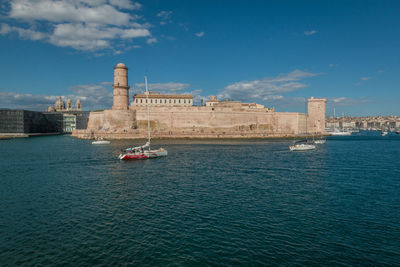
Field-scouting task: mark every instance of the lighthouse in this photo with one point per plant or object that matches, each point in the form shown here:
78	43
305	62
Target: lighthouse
121	87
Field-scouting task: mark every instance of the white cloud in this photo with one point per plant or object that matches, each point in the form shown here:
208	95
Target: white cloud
23	33
345	101
67	11
165	17
89	25
308	33
266	88
365	78
332	65
200	34
126	4
92	96
151	40
168	88
164	14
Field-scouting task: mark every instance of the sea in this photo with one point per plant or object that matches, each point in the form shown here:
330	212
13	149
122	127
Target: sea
64	201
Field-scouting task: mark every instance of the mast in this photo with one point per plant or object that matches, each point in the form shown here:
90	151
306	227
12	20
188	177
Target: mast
334	117
148	110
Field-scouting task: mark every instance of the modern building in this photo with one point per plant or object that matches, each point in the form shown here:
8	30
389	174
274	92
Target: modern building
29	122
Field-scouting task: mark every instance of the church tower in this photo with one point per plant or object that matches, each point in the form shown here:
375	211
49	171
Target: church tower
121	88
316	115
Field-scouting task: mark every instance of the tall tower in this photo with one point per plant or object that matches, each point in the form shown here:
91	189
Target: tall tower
316	115
121	88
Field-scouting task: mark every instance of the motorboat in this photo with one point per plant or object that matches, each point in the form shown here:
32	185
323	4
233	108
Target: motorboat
384	133
143	152
320	141
100	141
301	146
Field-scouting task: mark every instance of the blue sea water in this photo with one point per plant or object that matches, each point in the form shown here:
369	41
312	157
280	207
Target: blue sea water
64	201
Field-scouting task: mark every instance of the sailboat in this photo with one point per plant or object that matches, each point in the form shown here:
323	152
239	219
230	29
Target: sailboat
302	144
337	132
144	151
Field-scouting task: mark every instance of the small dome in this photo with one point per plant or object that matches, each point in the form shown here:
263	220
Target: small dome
121	65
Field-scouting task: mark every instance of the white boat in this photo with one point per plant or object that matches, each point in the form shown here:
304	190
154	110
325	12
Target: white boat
301	146
320	141
384	133
144	152
100	141
341	133
338	132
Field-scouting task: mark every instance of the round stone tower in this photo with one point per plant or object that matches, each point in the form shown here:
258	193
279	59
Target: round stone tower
121	88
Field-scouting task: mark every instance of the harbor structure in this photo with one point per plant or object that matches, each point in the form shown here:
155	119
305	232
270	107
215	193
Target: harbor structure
160	100
216	119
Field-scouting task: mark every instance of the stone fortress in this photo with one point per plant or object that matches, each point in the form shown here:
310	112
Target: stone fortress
175	116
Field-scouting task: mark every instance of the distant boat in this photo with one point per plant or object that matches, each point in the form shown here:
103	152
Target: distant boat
320	141
384	133
337	132
340	133
301	146
100	141
140	152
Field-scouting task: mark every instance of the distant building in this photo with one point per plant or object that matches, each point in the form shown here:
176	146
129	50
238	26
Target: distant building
60	106
157	99
29	122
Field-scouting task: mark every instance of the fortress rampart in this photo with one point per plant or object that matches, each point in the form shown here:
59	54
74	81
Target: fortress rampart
226	119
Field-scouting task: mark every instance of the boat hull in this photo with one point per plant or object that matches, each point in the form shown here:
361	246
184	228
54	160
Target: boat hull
301	147
102	142
148	154
341	133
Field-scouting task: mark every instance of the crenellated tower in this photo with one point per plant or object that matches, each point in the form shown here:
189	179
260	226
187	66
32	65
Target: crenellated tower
316	115
121	87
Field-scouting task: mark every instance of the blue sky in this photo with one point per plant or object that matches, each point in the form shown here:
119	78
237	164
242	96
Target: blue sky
272	52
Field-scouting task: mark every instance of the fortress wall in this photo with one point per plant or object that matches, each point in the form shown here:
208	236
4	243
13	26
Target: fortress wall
290	122
112	120
221	118
96	119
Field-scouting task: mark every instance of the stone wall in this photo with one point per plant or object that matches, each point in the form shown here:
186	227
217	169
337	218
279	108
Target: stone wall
117	121
194	122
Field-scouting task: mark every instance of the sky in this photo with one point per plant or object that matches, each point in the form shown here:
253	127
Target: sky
276	53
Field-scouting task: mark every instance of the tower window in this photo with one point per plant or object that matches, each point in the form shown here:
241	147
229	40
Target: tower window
155	101
174	101
170	101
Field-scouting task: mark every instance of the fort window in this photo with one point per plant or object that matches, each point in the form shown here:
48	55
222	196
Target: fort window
184	101
155	101
174	101
170	101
